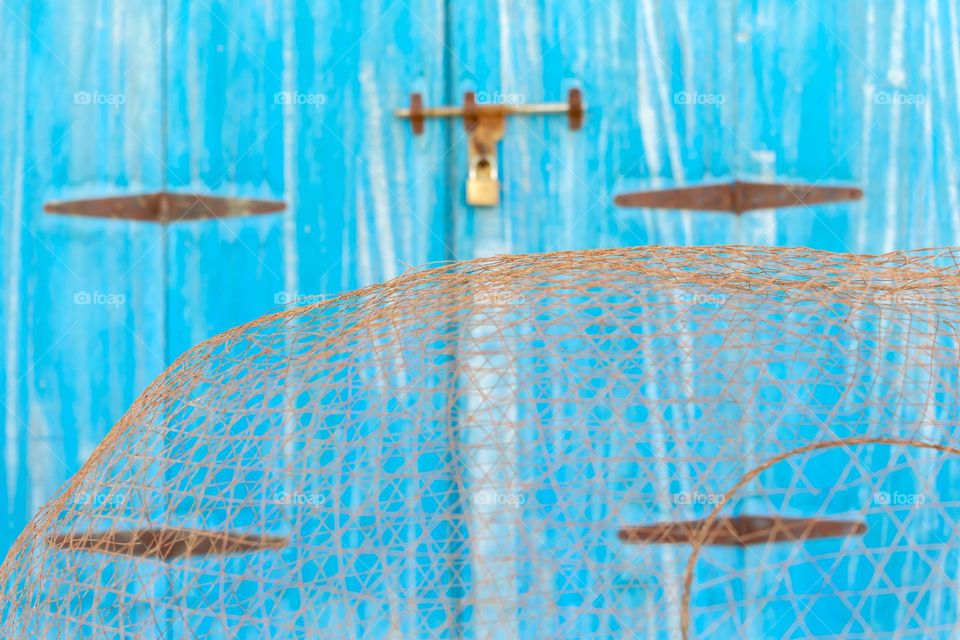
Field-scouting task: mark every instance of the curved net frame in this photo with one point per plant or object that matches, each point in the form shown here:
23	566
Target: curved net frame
657	442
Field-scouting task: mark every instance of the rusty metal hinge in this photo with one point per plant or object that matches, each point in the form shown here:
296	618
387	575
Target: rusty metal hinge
166	543
738	197
741	531
165	206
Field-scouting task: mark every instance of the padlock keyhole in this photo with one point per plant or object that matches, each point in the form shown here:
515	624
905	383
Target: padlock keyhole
484	169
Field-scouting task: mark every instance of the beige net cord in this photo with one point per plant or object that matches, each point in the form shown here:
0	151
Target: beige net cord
555	445
701	532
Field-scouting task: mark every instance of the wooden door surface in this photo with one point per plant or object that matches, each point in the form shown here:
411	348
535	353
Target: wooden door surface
82	308
277	100
684	94
294	101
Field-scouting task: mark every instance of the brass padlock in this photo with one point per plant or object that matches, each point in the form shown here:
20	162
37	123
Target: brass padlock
486	130
483	187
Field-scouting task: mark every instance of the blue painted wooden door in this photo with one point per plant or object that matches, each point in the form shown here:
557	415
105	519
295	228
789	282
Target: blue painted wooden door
687	93
291	100
82	308
294	99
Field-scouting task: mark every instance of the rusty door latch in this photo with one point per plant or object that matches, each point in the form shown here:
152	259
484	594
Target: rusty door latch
486	124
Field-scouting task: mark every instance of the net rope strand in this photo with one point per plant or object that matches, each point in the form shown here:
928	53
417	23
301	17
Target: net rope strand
699	536
535	446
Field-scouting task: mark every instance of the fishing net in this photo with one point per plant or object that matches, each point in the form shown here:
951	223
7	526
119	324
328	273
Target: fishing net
655	442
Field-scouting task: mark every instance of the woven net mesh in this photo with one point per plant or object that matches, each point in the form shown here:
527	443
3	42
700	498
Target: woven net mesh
660	443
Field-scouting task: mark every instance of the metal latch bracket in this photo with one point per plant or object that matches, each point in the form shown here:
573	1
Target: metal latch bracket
486	124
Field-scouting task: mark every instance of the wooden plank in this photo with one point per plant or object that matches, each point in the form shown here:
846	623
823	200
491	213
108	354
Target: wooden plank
654	76
370	196
14	40
858	92
225	137
82	302
861	92
295	100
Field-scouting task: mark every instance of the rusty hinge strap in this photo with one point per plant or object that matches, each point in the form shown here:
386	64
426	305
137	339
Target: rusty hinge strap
165	206
741	531
166	543
738	196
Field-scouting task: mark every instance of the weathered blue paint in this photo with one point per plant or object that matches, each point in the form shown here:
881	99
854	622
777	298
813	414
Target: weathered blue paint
294	99
225	136
83	332
685	93
370	198
863	92
283	99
